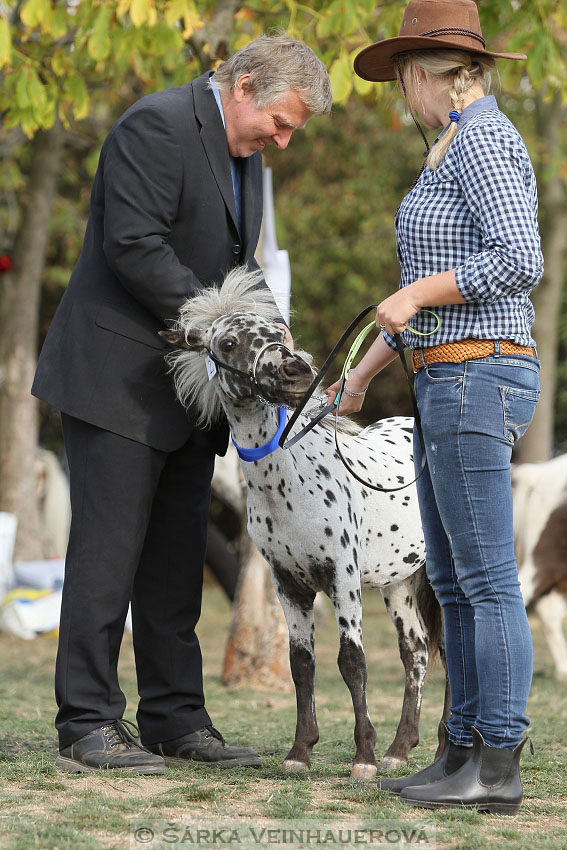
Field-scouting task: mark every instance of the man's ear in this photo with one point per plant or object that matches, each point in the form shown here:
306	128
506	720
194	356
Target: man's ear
193	341
242	87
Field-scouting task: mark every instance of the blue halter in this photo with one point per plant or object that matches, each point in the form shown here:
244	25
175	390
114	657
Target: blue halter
269	447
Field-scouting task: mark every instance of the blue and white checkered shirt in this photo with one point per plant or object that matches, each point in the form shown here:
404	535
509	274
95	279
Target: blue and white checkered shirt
477	213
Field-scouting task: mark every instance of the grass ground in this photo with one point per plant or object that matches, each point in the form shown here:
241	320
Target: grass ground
42	808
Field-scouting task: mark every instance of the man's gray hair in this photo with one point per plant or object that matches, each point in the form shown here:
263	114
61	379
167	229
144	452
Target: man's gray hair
276	64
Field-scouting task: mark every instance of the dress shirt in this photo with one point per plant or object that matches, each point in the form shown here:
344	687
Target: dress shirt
476	213
235	167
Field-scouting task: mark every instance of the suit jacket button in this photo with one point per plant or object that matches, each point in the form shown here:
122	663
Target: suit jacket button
236	249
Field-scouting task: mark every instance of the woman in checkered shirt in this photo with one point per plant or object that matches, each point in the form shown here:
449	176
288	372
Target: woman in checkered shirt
469	249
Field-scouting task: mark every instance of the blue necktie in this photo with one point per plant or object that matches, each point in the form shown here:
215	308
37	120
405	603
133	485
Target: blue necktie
236	171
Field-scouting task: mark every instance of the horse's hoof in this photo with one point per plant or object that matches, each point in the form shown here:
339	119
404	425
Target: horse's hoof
391	763
293	766
363	772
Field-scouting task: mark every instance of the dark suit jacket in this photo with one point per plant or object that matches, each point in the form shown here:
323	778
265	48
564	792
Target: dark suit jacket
162	226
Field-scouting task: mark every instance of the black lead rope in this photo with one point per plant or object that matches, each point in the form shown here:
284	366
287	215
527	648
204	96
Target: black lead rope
330	407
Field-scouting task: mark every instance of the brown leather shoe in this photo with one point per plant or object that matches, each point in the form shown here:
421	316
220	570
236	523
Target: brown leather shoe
110	747
205	745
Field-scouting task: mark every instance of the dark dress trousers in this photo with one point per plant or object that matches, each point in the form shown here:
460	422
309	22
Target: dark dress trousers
162	226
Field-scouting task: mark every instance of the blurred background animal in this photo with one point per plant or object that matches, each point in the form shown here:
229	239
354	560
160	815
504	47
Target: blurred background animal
540	535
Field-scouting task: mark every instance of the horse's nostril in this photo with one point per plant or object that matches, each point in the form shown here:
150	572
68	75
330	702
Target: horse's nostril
291	369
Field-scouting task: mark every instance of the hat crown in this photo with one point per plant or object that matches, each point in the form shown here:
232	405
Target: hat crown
447	20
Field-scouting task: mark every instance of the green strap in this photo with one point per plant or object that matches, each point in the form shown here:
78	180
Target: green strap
355	347
428	333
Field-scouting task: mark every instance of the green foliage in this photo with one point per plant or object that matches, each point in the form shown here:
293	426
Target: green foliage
337	186
52	54
538	30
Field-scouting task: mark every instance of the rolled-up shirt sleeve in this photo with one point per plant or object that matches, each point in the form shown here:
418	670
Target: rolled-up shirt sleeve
498	184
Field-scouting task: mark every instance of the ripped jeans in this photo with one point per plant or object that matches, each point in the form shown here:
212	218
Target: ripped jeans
472	415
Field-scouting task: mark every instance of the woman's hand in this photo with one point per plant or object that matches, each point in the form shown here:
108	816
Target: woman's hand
393	314
348	404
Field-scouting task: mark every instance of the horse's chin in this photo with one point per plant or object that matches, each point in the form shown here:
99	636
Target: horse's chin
288	396
293	397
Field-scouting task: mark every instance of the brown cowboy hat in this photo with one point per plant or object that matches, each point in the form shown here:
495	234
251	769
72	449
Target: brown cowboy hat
427	24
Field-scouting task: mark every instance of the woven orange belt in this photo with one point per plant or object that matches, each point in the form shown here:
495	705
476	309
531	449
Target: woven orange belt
465	349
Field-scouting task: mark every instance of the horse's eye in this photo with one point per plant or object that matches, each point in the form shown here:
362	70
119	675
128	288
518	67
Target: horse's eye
227	345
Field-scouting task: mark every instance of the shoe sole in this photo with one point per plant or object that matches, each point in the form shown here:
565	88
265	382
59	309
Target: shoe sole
72	766
490	808
250	761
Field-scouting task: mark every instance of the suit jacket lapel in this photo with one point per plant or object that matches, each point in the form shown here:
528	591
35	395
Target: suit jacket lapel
213	137
251	197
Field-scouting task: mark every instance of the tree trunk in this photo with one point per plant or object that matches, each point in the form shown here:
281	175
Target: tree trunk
19	310
538	443
257	649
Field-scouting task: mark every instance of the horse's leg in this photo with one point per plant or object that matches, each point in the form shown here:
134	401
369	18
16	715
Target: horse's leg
352	664
416	616
301	625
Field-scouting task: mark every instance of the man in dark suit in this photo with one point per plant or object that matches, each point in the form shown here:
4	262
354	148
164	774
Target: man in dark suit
176	202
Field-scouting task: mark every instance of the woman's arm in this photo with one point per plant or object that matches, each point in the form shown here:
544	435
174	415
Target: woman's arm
378	356
395	312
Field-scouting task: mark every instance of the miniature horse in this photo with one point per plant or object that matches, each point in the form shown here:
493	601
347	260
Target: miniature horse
317	528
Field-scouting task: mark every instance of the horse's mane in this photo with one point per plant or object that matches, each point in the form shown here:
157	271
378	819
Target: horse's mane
240	293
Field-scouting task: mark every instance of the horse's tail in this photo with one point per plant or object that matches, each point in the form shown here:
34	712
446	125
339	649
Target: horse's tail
430	611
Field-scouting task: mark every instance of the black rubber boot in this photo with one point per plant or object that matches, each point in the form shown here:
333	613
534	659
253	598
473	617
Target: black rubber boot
453	756
489	782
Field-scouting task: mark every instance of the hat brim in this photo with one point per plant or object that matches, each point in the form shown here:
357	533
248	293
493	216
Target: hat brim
376	62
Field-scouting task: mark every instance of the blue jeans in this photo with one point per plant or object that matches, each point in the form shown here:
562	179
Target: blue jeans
472	415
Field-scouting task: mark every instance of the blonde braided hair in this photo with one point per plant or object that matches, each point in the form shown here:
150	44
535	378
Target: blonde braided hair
461	70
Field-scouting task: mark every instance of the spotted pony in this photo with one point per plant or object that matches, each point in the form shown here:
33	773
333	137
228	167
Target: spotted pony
317	527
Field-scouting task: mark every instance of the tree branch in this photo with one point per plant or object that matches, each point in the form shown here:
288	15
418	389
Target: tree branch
212	41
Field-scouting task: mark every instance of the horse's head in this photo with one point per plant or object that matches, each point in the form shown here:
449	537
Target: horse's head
244	343
250	358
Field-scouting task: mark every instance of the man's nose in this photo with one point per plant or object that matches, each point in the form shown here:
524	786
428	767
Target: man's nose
282	137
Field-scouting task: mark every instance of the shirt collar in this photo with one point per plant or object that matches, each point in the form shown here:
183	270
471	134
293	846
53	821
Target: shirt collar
216	93
482	104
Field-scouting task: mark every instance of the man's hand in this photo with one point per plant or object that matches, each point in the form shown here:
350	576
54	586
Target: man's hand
288	339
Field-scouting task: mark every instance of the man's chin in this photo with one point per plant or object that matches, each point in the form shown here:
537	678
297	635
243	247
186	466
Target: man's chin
249	149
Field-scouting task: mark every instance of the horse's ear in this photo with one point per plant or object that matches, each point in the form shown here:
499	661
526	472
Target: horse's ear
193	341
